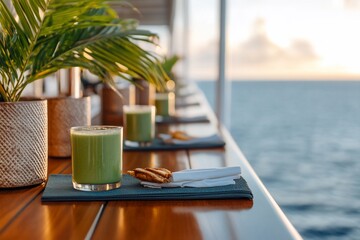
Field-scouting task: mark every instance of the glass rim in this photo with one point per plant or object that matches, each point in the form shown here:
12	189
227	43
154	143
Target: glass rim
162	96
138	107
94	128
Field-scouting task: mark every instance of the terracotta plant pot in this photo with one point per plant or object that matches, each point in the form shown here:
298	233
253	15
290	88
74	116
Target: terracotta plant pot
145	92
112	104
24	142
64	113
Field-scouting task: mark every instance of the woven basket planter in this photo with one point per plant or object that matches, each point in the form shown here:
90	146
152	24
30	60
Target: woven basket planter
23	146
112	104
63	114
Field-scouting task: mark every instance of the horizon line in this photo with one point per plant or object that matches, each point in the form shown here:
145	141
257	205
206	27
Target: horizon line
279	80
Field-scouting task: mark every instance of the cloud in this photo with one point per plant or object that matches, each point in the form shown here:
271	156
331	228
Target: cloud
260	57
257	57
260	51
348	4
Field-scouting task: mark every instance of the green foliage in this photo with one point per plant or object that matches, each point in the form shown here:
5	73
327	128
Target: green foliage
168	64
48	35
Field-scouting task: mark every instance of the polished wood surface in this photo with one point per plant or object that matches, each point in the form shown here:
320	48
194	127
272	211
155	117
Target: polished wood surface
24	216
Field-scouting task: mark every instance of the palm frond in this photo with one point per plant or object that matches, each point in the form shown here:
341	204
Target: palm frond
48	35
169	63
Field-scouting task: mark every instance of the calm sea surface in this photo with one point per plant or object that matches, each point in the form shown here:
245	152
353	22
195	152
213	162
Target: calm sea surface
303	140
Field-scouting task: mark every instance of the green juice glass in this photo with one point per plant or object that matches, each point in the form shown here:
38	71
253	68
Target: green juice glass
96	157
139	123
165	104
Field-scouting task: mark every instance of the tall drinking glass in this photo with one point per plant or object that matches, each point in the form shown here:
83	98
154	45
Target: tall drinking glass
165	104
139	123
96	157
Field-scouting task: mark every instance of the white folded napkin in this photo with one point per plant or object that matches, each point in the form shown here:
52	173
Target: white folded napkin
208	177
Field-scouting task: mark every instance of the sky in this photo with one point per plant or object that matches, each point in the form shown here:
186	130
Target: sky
277	39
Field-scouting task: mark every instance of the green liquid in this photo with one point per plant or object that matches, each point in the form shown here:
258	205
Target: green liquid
96	156
162	107
140	126
165	104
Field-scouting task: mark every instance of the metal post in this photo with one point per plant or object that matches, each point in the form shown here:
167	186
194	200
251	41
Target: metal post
171	28
63	82
75	82
186	39
38	87
222	90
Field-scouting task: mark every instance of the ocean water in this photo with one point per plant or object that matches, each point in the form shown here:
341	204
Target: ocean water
303	140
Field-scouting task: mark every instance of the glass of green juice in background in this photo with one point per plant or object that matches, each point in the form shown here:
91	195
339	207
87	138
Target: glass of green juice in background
165	104
96	157
139	123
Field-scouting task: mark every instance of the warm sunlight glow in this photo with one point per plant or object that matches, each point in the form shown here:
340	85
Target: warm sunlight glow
122	67
280	39
87	53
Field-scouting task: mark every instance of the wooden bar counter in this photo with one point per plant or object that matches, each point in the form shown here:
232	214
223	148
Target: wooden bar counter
24	216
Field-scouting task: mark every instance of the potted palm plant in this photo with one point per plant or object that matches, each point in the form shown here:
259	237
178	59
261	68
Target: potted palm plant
39	37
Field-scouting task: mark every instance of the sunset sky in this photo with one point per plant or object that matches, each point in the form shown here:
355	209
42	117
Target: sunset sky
278	39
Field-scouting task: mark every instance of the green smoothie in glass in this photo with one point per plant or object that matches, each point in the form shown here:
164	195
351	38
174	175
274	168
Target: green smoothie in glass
165	104
139	123
96	157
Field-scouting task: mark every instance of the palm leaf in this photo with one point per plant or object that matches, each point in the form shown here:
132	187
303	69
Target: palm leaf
169	63
48	35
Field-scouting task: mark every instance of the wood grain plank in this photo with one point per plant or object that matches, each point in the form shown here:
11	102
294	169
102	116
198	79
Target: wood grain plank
57	165
172	160
12	201
70	220
145	220
56	220
164	219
